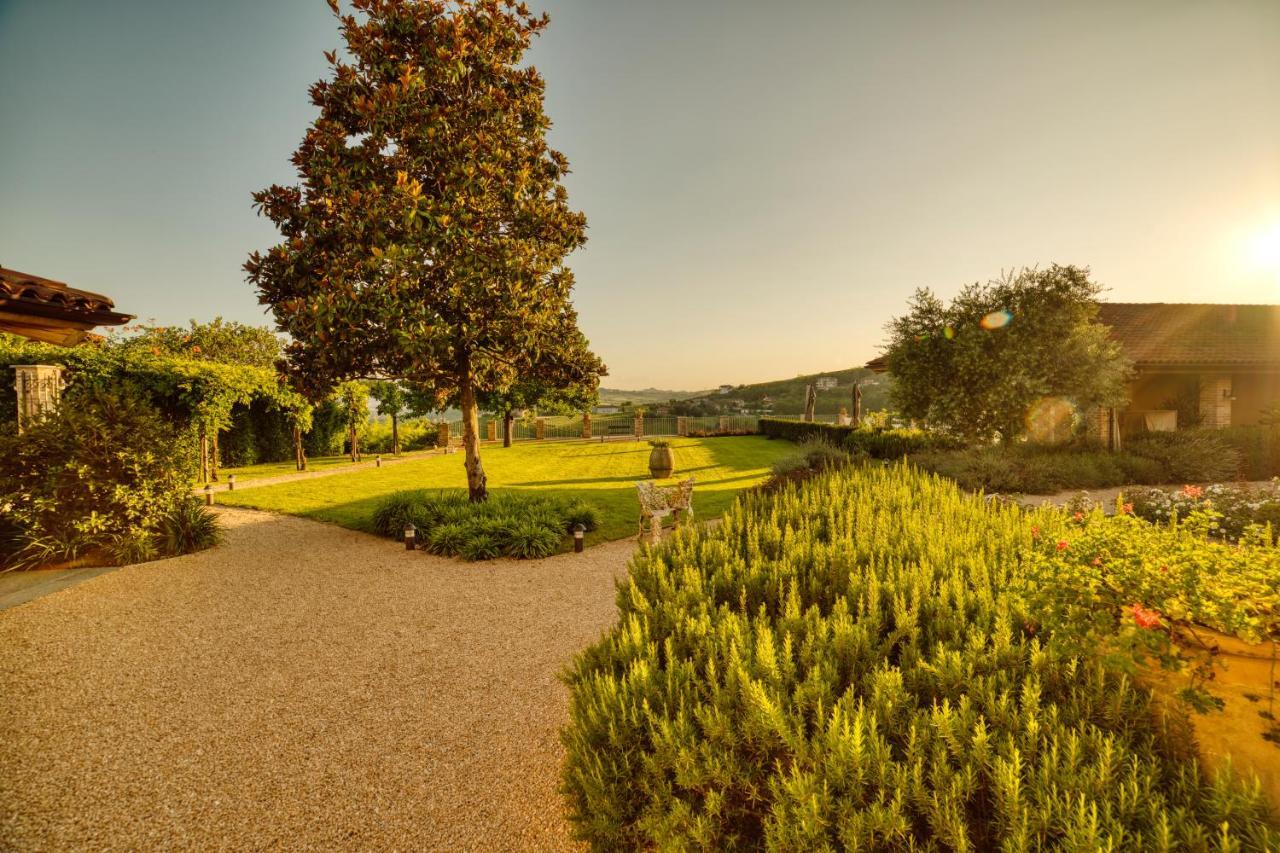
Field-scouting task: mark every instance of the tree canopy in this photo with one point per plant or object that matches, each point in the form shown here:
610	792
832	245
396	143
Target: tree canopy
221	340
982	365
426	237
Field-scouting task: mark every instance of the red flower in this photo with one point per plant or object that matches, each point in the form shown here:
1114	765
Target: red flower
1097	561
1062	545
1079	516
196	348
1164	570
1144	618
1035	531
1126	509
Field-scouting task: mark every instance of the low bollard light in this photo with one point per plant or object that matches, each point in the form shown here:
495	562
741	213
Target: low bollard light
578	530
377	462
410	537
208	494
231	482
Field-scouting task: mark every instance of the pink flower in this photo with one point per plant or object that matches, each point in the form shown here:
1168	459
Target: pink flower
1062	545
1144	618
1192	491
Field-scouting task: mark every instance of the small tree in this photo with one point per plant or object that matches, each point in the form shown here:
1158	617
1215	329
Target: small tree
353	398
391	400
427	235
977	366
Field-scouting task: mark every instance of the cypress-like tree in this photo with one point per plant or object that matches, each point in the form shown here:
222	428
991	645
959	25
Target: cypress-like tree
426	237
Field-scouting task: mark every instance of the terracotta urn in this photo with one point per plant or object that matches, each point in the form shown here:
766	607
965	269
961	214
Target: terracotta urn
662	461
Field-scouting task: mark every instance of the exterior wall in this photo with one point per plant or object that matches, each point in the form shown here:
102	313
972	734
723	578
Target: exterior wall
39	387
1254	392
1215	401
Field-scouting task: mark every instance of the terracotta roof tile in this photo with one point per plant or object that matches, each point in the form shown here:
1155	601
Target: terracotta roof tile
1182	334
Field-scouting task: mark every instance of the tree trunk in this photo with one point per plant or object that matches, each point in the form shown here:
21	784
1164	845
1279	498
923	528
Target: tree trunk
213	458
204	456
471	439
395	434
507	417
810	403
299	456
355	445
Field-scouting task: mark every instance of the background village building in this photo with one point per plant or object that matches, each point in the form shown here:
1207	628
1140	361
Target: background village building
825	383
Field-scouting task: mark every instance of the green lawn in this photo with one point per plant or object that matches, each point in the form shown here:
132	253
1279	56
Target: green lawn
604	474
248	473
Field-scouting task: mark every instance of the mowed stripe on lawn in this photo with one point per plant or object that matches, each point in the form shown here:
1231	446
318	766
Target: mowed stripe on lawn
602	473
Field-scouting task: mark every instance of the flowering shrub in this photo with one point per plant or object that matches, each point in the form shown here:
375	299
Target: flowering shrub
852	663
1102	576
1237	507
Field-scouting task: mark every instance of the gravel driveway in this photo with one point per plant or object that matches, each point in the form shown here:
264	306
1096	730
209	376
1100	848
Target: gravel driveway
301	686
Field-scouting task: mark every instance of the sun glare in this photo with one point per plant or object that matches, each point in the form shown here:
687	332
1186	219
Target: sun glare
1264	249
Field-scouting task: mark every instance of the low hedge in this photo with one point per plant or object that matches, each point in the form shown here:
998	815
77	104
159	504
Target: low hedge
875	443
446	522
847	665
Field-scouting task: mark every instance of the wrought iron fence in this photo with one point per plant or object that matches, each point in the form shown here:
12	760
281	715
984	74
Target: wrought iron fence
606	427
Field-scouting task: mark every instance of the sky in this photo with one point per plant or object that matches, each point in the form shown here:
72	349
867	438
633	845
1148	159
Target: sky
765	183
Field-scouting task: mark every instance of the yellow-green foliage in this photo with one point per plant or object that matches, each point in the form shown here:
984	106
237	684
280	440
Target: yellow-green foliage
849	664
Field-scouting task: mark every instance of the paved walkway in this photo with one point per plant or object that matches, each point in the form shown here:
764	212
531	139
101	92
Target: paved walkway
300	686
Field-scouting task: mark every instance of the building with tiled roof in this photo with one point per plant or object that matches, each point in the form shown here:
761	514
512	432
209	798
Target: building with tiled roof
1194	365
50	311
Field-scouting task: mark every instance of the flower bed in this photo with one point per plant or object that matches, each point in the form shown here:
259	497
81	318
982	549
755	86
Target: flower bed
1237	507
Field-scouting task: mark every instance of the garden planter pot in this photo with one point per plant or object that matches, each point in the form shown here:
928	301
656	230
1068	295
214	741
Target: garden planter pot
662	463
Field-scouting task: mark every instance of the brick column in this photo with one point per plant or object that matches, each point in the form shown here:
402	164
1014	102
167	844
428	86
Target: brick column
39	388
1215	401
493	430
639	427
724	423
442	434
540	429
682	426
586	425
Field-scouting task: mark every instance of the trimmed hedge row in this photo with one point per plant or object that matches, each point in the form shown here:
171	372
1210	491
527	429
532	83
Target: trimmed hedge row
847	665
876	443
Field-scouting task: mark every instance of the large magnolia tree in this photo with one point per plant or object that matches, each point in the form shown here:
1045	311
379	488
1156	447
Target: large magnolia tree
981	366
427	235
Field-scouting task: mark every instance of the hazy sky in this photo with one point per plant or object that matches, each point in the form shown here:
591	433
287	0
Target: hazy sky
765	182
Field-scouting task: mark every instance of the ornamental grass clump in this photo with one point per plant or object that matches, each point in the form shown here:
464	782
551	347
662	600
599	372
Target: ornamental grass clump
523	526
849	663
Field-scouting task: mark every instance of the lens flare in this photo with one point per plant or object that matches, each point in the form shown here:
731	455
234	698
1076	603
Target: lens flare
996	320
1051	419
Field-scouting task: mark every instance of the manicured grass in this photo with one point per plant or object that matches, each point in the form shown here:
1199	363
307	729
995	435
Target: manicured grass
603	474
248	473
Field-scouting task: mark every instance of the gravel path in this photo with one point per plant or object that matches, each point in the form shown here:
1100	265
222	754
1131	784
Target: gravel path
301	686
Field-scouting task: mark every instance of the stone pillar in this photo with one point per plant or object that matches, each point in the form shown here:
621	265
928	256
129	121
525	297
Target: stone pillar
39	388
493	430
540	429
586	425
1215	401
682	426
724	423
639	428
442	435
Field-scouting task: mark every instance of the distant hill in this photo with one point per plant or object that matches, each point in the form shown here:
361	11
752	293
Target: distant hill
646	396
787	395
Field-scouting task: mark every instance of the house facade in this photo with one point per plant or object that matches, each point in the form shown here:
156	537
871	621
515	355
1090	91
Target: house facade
1201	365
1195	365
